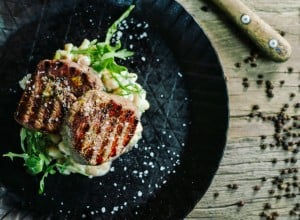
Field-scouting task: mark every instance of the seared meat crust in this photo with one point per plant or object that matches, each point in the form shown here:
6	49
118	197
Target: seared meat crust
100	126
51	91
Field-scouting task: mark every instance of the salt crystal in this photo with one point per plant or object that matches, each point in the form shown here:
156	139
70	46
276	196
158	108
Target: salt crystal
140	193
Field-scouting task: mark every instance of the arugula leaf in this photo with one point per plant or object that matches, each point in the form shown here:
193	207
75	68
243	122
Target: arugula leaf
50	170
13	155
36	161
103	54
34	144
114	27
23	136
34	164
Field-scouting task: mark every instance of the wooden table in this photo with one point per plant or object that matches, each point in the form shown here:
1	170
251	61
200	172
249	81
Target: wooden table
245	160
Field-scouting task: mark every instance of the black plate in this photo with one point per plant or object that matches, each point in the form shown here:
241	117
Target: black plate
184	130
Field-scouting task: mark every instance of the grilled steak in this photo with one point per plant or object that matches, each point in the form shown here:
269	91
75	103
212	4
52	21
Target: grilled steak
100	127
49	94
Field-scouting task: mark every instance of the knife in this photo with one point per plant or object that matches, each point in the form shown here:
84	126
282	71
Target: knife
261	33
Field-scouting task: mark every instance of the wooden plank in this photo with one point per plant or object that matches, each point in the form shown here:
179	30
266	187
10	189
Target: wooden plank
244	162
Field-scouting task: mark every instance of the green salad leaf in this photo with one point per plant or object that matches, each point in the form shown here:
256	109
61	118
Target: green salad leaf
34	144
37	160
103	54
114	27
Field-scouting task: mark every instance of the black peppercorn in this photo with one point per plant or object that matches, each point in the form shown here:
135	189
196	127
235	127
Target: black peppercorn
238	65
267	206
241	203
256	188
290	69
204	8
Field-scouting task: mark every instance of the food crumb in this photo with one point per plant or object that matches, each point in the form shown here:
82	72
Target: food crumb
140	193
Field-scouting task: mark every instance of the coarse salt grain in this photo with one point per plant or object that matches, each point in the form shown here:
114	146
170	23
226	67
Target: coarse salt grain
140	193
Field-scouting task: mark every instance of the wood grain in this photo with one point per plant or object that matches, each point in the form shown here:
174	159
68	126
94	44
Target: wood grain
256	29
244	162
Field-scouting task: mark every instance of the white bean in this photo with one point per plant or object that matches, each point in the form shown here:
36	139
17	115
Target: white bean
84	60
85	44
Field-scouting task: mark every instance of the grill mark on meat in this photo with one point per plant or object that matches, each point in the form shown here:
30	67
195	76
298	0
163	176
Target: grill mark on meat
98	128
130	130
77	122
59	64
126	121
46	65
109	138
94	134
28	103
119	129
117	133
52	82
109	135
48	108
112	122
38	118
55	116
113	139
105	130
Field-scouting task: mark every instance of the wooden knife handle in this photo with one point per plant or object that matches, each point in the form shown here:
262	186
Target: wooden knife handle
262	34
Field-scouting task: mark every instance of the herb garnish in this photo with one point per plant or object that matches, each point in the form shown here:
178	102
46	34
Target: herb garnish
34	144
102	54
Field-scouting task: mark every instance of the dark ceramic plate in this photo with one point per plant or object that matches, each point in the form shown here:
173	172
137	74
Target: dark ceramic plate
184	130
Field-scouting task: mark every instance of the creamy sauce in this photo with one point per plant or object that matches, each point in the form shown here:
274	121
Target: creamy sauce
62	152
109	79
60	149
